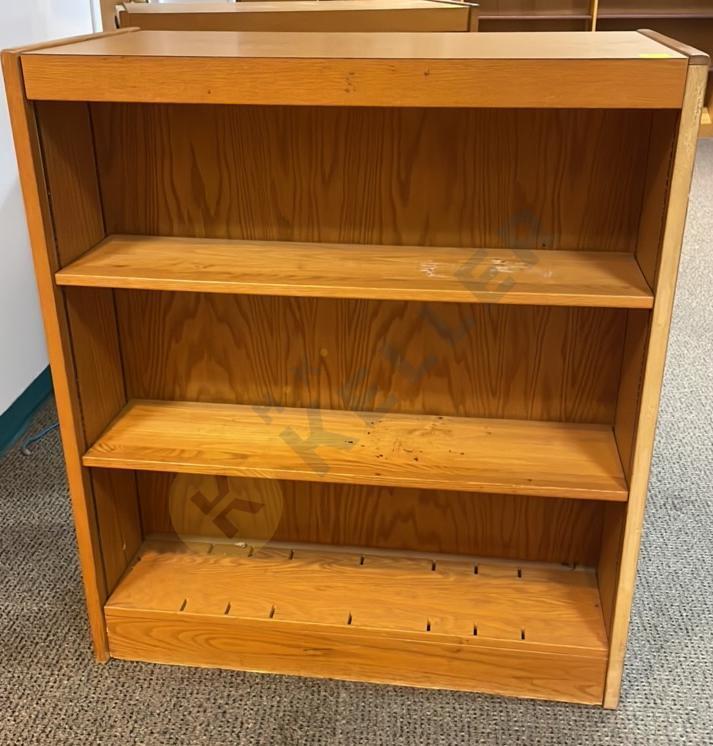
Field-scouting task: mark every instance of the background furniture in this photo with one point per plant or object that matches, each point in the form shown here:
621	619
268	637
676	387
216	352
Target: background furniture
535	15
303	15
690	21
336	400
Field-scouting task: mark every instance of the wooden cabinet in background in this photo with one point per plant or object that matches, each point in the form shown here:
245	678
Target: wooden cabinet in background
303	15
357	341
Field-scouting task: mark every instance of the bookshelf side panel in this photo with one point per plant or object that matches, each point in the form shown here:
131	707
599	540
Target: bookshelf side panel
77	215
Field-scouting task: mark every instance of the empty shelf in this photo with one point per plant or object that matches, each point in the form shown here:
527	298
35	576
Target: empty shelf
452	453
559	278
535	15
654	14
441	613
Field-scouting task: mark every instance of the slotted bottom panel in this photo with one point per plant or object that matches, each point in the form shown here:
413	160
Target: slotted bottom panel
508	628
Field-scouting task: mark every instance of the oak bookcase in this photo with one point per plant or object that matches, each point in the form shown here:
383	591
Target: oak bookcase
357	341
302	15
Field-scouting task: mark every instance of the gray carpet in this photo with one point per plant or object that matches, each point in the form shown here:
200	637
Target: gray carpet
51	692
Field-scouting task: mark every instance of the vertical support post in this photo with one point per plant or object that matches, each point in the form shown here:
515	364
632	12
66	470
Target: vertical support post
473	17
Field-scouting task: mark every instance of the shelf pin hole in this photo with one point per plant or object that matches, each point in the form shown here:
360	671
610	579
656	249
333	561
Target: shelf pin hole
519	572
272	612
522	634
227	609
349	618
433	565
361	560
428	625
475	630
184	604
292	554
475	569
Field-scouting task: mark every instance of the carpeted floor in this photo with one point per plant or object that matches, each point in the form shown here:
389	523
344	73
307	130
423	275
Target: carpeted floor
51	691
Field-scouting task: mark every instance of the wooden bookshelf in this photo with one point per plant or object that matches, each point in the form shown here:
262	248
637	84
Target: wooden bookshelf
302	15
336	401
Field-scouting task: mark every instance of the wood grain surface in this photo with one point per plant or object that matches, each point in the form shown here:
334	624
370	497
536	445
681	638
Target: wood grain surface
518	362
375	176
502	456
501	526
624	70
553	606
627	46
315	651
512	276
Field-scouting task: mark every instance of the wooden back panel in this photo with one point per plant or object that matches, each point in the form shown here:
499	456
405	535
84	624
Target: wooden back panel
522	362
482	178
505	526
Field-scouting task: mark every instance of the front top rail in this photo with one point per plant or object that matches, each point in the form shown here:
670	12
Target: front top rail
512	70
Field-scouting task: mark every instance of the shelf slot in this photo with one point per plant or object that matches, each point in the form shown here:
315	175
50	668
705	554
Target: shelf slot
452	453
418	273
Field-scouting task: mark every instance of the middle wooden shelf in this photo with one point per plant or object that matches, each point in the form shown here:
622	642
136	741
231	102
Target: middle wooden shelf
501	456
329	270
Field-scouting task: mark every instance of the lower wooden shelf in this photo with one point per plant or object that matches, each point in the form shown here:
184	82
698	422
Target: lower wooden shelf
493	626
523	457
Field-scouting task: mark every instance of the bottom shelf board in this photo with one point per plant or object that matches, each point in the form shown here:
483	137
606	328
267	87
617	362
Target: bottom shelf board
454	623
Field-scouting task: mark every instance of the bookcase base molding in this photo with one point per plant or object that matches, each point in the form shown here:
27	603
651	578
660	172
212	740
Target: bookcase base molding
360	380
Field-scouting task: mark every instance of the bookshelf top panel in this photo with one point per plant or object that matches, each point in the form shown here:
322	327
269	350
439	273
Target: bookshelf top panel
611	45
611	70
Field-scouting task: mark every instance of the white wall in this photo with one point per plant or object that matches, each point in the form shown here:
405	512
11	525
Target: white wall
22	345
